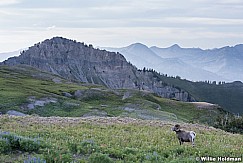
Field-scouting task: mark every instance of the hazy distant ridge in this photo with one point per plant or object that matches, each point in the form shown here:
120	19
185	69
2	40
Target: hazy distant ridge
219	64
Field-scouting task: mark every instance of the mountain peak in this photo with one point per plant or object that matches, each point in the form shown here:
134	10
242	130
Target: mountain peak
175	46
137	45
58	40
78	62
239	47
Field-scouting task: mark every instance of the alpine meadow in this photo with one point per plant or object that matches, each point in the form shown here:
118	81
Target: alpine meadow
65	101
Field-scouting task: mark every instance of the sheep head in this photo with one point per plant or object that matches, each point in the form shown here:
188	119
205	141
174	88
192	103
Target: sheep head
176	128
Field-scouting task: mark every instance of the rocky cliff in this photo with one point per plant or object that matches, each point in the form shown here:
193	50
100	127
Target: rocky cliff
77	61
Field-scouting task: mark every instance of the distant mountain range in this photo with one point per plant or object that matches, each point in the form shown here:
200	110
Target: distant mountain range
79	62
3	56
219	64
195	64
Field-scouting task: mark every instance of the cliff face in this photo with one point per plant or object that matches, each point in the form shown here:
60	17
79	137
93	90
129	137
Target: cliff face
77	61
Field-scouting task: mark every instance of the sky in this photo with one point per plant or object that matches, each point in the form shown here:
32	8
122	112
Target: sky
117	23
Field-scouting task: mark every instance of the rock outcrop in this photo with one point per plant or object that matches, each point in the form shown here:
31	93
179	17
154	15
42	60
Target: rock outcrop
77	61
15	113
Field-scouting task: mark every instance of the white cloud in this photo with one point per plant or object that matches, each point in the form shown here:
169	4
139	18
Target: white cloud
205	21
8	2
121	22
51	27
237	2
122	36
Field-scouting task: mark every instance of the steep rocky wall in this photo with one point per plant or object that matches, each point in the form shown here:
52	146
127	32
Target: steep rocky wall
77	61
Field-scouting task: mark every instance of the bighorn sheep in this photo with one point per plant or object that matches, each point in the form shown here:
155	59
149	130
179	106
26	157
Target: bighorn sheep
184	136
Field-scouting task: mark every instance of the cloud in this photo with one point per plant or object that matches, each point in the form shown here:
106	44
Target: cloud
205	21
8	2
233	2
122	36
51	27
120	22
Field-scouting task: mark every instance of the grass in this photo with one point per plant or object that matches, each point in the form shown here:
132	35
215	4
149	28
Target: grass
19	84
228	95
117	140
187	111
134	129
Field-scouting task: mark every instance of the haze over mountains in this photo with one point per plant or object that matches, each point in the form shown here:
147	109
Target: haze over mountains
219	64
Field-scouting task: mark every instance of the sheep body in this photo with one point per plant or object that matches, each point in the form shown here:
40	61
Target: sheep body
184	136
193	135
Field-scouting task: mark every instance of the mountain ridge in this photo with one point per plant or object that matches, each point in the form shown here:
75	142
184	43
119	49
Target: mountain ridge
78	61
218	64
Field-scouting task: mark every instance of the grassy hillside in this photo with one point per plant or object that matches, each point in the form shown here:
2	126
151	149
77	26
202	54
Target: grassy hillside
97	124
31	91
228	95
104	140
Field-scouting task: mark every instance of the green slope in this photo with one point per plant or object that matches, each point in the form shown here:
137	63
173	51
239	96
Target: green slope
22	86
105	140
228	95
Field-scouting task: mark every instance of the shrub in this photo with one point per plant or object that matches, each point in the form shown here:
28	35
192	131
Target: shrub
87	147
115	153
231	124
34	160
16	142
55	155
4	145
99	158
13	139
153	157
73	147
128	150
178	151
29	145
